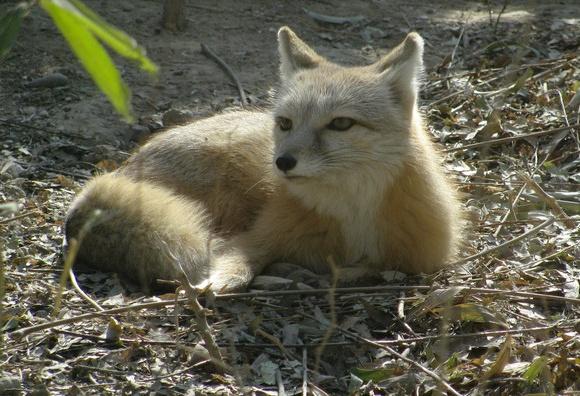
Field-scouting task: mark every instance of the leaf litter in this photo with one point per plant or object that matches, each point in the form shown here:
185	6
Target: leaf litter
520	337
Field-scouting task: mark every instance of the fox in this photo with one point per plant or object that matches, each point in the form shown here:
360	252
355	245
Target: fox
339	171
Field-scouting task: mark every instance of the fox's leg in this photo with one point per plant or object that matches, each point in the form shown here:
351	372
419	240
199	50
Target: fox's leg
234	263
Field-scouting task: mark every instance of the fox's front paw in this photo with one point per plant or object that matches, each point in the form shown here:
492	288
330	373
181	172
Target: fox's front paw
220	283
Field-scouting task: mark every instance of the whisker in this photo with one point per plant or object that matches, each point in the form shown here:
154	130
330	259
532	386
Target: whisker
255	184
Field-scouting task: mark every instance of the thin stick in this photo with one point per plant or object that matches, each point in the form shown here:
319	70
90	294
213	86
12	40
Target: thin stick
512	86
494	70
346	290
182	371
446	97
407	341
507	243
533	78
84	296
332	303
21	216
390	350
549	200
452	57
46	130
551	256
64	172
510	139
304	372
71	254
49	325
424	369
558	138
505	3
401	306
202	323
213	56
509	210
280	383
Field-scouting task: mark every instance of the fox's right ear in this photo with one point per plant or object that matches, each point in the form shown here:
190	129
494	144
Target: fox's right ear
402	68
295	54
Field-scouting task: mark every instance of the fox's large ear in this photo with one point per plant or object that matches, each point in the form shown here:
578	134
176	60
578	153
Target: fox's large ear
402	68
295	54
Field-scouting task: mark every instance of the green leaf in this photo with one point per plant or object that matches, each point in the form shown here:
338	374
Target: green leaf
469	312
83	29
453	361
9	26
118	40
521	81
535	369
91	53
376	375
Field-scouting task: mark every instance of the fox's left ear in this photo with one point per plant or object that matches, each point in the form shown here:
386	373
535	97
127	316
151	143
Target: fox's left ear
295	54
402	67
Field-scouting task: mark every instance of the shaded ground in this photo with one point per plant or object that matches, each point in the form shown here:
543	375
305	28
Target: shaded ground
482	83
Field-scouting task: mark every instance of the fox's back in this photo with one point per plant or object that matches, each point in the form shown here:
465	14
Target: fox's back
223	162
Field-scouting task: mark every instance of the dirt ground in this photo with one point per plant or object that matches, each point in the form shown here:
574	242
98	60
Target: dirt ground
486	78
243	33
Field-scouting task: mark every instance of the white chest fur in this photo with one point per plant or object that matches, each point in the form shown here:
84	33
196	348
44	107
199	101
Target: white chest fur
355	204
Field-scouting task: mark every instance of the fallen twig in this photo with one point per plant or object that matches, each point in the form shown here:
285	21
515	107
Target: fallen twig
21	216
510	139
336	20
64	172
70	257
505	3
390	350
332	304
304	372
507	243
41	129
559	137
202	324
511	209
407	341
346	290
81	293
213	56
452	56
79	318
549	200
491	93
551	256
280	383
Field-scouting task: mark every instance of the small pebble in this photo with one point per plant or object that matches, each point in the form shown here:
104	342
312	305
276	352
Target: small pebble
177	117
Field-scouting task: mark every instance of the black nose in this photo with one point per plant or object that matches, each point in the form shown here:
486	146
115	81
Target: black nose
285	162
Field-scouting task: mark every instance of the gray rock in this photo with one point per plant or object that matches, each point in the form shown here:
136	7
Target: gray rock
51	81
177	117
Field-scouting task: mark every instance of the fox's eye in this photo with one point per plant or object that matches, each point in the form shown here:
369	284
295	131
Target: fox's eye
284	123
341	124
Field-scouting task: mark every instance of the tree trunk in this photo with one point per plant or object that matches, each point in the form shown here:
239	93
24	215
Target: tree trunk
174	15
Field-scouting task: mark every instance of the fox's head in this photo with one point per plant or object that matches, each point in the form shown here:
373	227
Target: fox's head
332	120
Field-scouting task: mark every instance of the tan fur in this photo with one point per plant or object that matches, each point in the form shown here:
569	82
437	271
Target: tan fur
372	197
142	227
